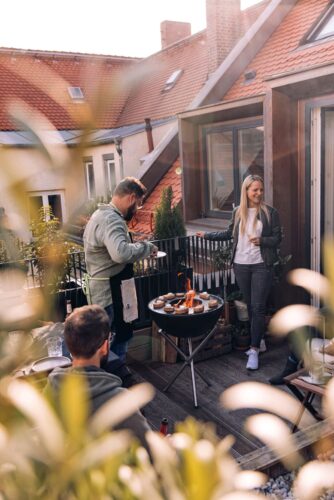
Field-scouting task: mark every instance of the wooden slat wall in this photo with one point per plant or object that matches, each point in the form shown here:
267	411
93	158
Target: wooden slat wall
281	171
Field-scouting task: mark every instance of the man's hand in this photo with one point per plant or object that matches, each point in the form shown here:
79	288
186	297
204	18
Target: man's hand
200	234
154	251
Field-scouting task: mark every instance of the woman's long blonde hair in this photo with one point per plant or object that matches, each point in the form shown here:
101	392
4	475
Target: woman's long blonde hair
242	211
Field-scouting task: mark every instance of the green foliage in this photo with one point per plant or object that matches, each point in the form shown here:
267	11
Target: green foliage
48	248
235	295
55	451
46	234
10	245
222	257
280	265
168	219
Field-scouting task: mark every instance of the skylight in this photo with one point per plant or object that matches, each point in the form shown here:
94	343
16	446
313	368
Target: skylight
76	93
323	28
174	77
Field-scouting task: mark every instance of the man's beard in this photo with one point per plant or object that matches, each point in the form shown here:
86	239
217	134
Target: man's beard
130	212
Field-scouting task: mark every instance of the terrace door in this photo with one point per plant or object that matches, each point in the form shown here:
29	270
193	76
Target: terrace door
322	182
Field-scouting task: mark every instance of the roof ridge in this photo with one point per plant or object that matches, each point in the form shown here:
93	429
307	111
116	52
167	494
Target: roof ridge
183	41
64	54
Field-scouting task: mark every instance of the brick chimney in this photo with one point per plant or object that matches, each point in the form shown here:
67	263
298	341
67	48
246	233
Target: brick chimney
250	14
224	28
173	31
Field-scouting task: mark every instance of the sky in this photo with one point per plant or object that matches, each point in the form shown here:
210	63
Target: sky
123	27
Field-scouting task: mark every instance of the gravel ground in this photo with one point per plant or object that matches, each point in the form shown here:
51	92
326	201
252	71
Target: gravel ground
280	488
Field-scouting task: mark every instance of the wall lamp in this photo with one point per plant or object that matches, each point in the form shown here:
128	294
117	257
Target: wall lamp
118	144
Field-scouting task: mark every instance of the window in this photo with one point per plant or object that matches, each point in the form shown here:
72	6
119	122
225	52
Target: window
109	174
232	153
323	28
90	179
76	93
175	76
53	199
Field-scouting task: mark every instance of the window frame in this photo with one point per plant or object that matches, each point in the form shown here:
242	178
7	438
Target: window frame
235	126
172	80
45	201
109	159
318	25
76	93
88	161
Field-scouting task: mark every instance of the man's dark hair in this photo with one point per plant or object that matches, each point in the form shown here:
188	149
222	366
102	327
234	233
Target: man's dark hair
130	185
85	330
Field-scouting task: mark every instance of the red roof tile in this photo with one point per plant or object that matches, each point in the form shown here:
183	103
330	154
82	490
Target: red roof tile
41	79
147	99
282	52
143	222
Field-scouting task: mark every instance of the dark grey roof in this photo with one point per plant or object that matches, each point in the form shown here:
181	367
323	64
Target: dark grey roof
72	137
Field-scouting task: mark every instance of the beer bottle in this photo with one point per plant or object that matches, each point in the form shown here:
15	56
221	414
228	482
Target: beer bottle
164	427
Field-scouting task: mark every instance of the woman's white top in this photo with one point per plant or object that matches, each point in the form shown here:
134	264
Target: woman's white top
247	252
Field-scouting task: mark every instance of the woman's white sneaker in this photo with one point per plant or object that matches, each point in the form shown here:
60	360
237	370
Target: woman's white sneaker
262	348
253	360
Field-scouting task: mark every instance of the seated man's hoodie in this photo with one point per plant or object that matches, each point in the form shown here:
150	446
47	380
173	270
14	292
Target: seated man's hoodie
102	387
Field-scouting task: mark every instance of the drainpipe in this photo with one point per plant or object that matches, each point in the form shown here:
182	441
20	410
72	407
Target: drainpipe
148	128
118	146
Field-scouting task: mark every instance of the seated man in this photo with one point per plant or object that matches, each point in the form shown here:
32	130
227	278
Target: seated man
87	336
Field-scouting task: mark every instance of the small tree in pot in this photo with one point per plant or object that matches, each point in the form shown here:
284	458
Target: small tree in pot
169	225
168	221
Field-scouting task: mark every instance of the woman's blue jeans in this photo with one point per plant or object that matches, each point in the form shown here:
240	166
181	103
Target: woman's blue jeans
254	281
119	348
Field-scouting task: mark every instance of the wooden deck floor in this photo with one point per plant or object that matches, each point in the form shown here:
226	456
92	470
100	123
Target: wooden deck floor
223	371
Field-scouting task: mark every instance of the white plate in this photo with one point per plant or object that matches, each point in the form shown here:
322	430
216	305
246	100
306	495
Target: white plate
311	380
46	364
160	255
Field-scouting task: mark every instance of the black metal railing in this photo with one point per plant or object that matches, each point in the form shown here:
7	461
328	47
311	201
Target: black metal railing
187	257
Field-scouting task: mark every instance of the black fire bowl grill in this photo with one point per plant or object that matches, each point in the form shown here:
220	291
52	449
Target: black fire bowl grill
187	325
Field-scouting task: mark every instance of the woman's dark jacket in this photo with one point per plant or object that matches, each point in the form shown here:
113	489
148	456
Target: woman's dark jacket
269	241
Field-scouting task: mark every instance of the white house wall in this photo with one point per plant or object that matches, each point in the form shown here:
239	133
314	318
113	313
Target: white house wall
134	147
29	169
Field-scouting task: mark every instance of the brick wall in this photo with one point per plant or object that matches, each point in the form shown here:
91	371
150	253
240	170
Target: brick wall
173	31
223	29
226	23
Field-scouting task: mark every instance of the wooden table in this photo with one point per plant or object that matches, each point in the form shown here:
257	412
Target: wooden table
305	392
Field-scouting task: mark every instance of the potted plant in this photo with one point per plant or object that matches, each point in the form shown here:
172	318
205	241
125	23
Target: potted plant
240	305
168	220
169	229
224	333
49	252
241	336
275	299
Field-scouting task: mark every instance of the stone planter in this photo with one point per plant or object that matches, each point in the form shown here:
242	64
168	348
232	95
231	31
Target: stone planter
241	310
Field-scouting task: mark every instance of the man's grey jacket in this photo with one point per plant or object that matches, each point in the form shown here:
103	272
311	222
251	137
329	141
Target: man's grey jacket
108	248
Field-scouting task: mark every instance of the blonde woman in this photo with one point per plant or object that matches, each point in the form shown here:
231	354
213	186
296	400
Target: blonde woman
256	232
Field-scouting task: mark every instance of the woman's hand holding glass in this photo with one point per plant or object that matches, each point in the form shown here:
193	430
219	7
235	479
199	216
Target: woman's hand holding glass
254	239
